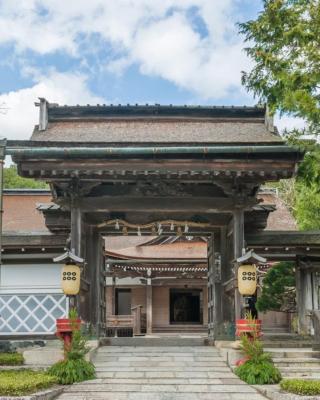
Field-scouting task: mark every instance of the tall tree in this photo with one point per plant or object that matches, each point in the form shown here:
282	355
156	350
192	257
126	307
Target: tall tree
12	180
284	45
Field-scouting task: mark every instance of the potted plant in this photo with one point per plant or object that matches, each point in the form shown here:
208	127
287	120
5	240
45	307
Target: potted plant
248	326
74	367
65	326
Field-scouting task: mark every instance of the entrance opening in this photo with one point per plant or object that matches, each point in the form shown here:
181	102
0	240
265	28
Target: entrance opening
186	306
123	302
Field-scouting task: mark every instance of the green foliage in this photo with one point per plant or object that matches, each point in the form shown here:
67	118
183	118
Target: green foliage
22	382
258	373
259	368
301	387
284	45
12	180
11	359
278	289
253	349
306	200
72	370
73	314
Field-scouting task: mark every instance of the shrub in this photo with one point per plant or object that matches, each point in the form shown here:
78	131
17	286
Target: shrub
22	382
11	359
74	368
300	386
258	373
70	371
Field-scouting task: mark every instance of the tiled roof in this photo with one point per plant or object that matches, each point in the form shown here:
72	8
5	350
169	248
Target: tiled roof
154	124
156	131
20	211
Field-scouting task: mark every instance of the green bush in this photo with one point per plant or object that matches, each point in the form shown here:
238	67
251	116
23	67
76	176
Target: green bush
11	359
300	386
258	372
22	382
70	371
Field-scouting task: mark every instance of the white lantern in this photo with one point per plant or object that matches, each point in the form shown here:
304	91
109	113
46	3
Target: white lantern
247	279
70	279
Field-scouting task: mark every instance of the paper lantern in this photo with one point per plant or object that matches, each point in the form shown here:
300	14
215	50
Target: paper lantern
247	279
70	279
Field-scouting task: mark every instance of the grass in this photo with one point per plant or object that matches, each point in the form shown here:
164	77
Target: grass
11	359
23	382
301	386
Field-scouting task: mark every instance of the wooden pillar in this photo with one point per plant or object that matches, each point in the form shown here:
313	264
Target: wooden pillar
113	295
238	245
95	265
75	244
76	228
149	303
304	297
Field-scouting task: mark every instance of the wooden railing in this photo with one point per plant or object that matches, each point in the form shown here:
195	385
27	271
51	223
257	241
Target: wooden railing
132	321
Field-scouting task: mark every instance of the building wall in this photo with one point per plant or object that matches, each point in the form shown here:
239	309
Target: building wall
160	302
160	306
31	299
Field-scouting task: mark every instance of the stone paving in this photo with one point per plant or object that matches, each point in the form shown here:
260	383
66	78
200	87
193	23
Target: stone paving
161	373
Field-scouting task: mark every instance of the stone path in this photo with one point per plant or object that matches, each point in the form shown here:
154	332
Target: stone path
161	373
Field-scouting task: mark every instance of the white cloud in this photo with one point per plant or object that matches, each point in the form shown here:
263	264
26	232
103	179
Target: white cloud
289	123
21	114
158	35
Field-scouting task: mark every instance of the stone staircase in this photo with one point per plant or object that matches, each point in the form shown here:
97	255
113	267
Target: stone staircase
163	372
299	362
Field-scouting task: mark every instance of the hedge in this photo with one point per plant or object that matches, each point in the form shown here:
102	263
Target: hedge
11	359
301	386
22	382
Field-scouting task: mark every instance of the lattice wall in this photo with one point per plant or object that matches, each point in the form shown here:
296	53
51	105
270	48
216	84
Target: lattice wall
22	314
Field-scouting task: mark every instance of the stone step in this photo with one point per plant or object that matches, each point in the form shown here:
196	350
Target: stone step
212	388
160	368
152	363
168	381
287	344
160	349
165	374
296	362
293	353
154	341
160	396
158	357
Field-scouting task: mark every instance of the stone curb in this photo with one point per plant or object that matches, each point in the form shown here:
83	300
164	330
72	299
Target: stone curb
273	392
48	394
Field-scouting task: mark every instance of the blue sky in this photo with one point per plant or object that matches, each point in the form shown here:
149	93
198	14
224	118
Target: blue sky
123	51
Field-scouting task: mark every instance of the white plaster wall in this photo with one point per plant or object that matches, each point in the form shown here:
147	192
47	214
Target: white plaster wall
30	278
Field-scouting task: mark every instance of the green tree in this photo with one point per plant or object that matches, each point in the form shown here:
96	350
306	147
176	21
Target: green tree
284	45
13	181
278	289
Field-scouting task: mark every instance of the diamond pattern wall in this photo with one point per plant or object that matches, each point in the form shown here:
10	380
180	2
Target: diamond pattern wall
31	314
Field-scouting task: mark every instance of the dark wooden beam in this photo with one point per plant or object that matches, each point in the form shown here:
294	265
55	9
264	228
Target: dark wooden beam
155	204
